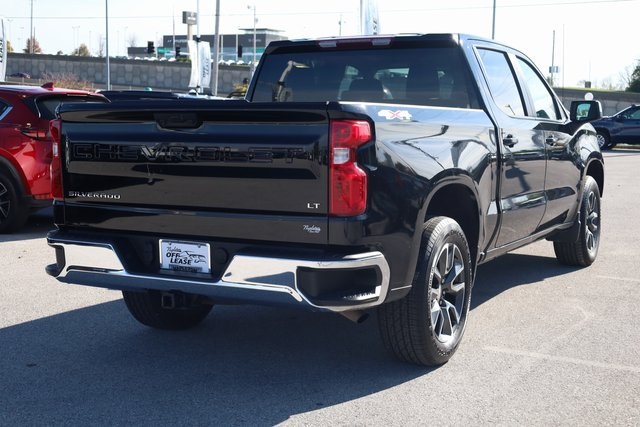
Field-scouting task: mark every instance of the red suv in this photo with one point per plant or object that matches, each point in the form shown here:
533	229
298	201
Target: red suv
25	147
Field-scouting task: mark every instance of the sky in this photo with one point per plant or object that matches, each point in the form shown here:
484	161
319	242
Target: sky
595	40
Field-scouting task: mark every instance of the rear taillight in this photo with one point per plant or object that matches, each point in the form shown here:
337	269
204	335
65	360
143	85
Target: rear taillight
347	182
56	161
33	133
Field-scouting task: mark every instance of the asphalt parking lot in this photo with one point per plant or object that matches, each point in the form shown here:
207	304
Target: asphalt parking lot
546	345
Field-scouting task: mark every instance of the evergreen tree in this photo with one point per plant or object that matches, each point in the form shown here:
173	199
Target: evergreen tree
82	50
634	83
36	46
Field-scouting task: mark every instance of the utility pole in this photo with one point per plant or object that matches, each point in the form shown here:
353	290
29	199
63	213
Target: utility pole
173	25
553	57
199	86
253	63
216	50
106	20
31	30
76	29
493	25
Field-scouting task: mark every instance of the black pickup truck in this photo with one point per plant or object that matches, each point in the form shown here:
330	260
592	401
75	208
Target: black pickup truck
359	173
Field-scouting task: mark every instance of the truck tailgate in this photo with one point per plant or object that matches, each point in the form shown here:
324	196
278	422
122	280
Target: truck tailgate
201	168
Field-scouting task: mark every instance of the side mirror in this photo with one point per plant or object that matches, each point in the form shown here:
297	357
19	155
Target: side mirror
585	111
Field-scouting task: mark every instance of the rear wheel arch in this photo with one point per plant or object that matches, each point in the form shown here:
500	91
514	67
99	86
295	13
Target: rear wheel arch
15	173
459	202
595	169
603	131
14	206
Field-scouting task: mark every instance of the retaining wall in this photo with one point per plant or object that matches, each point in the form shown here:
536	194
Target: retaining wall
137	74
125	73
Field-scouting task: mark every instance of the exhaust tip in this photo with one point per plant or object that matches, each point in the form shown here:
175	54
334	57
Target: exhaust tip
356	316
53	270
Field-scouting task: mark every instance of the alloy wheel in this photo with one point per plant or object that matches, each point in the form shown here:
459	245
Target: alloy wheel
448	287
592	228
5	202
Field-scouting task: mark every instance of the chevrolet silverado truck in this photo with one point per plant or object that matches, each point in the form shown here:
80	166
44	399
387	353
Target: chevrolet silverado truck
359	173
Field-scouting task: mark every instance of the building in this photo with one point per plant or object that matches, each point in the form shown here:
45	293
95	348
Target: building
233	47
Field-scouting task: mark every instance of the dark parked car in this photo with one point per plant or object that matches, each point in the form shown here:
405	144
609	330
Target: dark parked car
621	128
21	75
25	147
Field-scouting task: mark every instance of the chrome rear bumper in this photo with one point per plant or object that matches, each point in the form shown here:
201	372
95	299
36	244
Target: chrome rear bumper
247	278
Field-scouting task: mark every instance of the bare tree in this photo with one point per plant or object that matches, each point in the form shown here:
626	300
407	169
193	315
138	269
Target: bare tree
101	47
607	83
625	75
634	84
132	40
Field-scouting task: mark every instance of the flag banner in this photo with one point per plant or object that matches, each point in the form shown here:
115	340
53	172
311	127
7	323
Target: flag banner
205	64
3	51
195	69
369	17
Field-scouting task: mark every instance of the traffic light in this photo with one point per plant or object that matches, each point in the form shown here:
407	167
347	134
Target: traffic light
239	51
150	48
177	51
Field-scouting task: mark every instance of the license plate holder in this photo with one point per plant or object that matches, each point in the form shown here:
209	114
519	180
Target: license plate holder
189	257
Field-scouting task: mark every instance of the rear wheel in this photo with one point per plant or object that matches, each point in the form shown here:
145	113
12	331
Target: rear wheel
166	310
13	209
426	326
583	251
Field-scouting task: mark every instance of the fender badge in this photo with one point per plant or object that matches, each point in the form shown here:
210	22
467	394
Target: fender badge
393	115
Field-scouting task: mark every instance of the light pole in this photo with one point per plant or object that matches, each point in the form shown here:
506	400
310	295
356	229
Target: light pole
9	29
216	52
106	22
493	25
75	38
31	30
253	63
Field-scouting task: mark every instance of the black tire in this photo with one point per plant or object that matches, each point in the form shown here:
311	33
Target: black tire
427	325
146	308
604	141
14	211
583	252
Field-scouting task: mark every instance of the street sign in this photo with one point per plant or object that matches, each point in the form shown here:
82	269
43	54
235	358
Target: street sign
189	18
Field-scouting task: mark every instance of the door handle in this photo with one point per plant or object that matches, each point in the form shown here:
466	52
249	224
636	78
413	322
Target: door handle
509	140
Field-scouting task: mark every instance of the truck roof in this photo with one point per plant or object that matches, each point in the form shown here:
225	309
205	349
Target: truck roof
381	40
